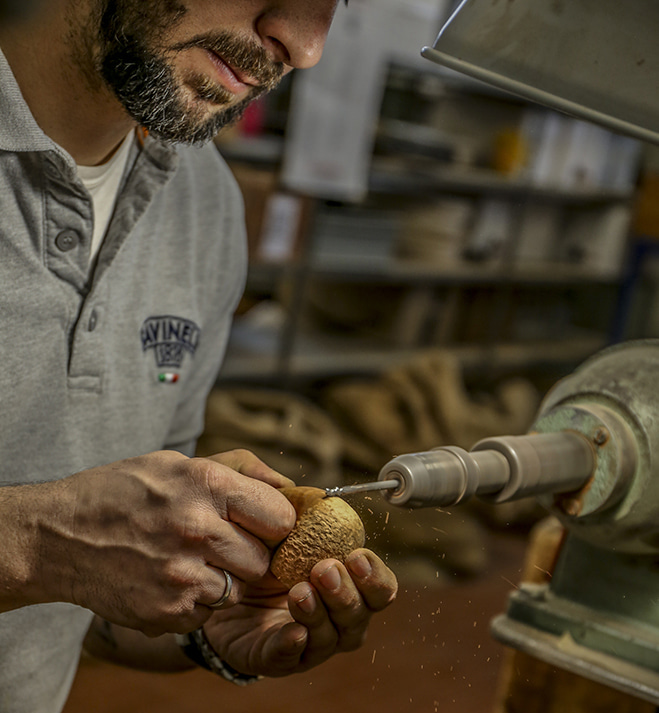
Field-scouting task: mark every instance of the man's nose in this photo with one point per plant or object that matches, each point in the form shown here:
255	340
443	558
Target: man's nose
294	31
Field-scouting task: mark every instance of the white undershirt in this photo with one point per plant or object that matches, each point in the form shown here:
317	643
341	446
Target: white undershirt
102	182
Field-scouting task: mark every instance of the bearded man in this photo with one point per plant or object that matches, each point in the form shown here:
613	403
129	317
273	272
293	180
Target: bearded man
122	259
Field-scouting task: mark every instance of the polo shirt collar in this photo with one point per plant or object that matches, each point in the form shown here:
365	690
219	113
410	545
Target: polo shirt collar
19	130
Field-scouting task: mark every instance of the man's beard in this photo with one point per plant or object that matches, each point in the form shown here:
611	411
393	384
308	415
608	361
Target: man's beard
134	64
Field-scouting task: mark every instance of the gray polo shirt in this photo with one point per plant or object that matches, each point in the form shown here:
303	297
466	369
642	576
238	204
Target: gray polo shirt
102	366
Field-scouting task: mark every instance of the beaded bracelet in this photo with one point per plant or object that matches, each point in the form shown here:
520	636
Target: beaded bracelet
197	648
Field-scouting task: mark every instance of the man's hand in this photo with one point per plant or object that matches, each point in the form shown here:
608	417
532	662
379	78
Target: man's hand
140	541
276	633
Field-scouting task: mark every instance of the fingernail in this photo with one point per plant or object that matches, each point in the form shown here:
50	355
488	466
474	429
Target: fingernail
307	602
298	641
360	566
330	578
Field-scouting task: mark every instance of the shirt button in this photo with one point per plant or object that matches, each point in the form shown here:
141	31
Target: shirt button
67	240
93	321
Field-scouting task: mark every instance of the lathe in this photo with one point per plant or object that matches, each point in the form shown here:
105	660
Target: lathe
591	459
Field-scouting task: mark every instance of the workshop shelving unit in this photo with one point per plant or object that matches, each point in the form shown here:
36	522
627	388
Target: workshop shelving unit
430	308
494	314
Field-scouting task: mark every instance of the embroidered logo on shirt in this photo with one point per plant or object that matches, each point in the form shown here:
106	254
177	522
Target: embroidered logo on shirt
170	338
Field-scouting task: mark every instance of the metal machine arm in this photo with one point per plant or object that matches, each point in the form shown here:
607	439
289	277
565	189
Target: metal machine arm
590	458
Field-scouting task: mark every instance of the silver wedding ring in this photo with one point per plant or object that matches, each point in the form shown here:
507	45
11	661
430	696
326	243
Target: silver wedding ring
227	592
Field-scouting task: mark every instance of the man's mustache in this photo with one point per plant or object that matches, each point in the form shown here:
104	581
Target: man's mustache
246	57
